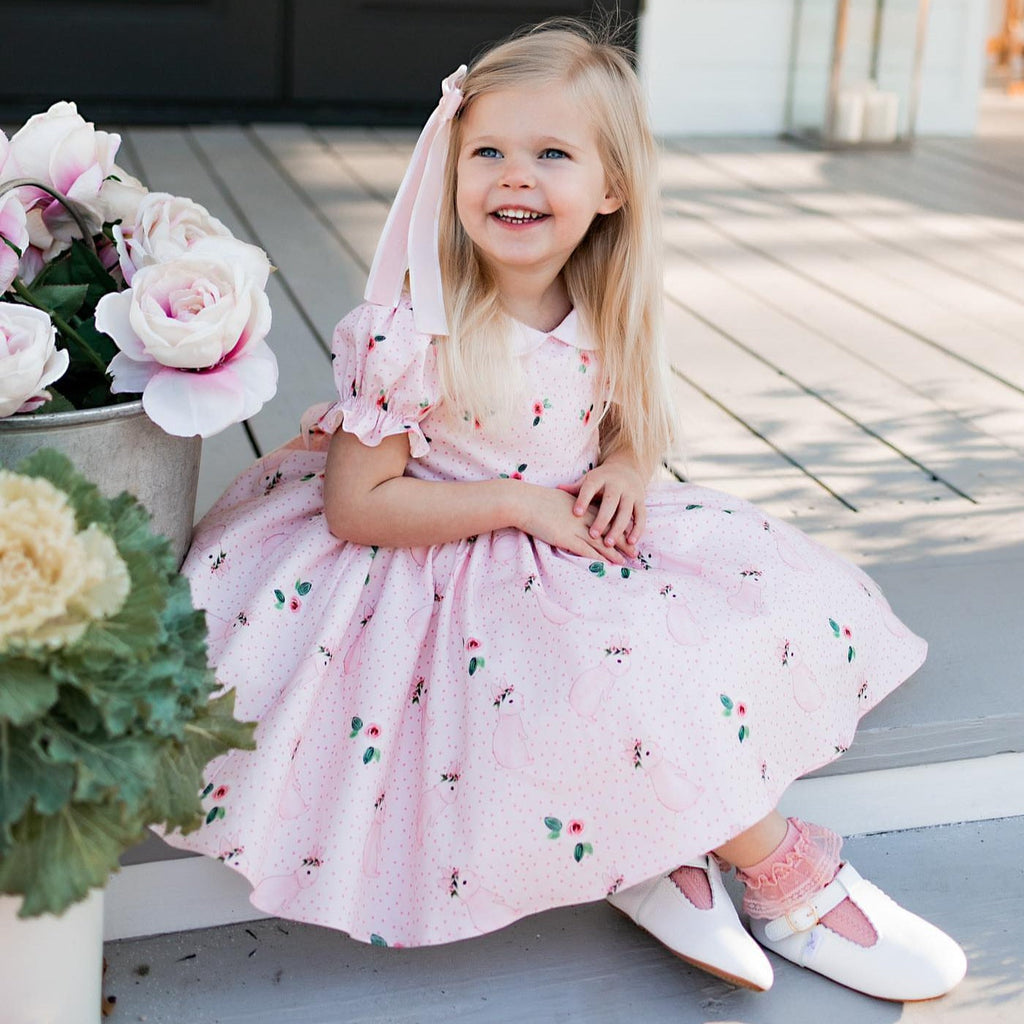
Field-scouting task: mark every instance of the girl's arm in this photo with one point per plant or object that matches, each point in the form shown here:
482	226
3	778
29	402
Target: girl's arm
369	500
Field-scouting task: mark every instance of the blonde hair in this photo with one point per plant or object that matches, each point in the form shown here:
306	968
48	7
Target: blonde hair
613	277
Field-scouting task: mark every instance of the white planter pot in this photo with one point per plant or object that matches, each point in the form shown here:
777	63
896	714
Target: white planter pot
51	968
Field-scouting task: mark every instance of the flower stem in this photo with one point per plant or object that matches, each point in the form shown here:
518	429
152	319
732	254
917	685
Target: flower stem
62	325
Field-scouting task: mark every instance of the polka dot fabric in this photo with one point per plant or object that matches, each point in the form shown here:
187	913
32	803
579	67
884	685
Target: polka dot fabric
454	737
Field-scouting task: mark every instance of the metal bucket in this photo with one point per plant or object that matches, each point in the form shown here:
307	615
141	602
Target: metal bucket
119	448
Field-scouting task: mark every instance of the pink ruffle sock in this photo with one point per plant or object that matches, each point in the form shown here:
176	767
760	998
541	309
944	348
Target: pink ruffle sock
804	862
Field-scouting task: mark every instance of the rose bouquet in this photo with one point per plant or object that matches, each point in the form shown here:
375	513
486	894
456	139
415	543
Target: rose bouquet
106	724
108	291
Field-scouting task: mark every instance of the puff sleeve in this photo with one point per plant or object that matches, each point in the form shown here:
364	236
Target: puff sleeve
386	376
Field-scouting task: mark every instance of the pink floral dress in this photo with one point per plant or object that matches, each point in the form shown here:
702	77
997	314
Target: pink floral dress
454	737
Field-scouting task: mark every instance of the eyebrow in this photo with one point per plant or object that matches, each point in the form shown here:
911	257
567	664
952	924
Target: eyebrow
543	142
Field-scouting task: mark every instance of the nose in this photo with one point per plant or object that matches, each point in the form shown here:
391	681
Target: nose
517	172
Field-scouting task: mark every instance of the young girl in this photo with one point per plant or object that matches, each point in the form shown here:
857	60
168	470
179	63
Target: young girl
496	668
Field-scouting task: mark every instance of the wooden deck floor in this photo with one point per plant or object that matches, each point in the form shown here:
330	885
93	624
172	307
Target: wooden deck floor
847	341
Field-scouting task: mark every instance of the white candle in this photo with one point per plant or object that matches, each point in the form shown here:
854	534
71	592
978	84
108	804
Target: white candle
881	116
848	124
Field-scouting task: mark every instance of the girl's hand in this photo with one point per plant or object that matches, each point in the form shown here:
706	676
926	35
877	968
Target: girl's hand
547	513
617	488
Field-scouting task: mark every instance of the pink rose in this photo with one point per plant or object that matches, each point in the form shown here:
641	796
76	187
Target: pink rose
373	731
471	644
191	333
63	150
29	358
164	227
13	238
220	792
574	828
847	632
294	604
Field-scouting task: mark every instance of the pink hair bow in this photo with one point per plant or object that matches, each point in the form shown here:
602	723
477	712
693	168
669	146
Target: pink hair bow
409	239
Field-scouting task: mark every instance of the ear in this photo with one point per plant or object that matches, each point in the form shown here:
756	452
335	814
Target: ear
610	203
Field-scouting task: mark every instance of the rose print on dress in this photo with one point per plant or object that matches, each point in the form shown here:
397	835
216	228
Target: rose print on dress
217	795
372	752
739	710
509	742
371	847
487	910
476	660
275	892
807	691
291	804
846	634
539	408
574	830
231	853
551	611
516	474
679	619
435	801
748	597
293	603
591	688
671	785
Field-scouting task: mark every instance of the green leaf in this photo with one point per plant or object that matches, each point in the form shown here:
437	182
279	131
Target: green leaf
211	816
375	939
521	468
624	572
181	765
850	655
473	663
834	625
553	835
279	594
587	848
553	823
368	755
28	778
357	724
743	733
63	299
726	702
690	508
597	568
578	852
302	589
56	859
26	690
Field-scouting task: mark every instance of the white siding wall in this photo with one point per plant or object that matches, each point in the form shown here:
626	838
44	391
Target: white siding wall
719	66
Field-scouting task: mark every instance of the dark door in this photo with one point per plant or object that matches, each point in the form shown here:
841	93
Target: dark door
394	53
140	52
196	60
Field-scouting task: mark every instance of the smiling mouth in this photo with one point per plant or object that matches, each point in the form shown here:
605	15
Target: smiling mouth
510	216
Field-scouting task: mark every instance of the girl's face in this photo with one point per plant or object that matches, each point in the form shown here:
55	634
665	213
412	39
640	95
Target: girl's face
530	180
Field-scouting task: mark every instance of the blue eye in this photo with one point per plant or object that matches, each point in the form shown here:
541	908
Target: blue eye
488	152
554	154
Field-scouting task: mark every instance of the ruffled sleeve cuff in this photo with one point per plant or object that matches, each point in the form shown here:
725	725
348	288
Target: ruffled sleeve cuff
386	377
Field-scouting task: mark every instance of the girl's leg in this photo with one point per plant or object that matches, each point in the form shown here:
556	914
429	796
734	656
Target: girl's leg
783	862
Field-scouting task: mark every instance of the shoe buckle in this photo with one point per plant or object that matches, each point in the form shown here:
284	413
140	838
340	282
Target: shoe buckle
802	918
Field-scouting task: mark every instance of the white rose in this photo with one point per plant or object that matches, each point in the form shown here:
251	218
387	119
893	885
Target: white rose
63	150
163	228
29	358
194	311
54	579
13	238
121	196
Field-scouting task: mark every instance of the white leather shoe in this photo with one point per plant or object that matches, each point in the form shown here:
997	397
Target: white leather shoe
911	960
713	940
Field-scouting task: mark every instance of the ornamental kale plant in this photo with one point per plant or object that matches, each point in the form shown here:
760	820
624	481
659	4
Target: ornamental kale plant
107	713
